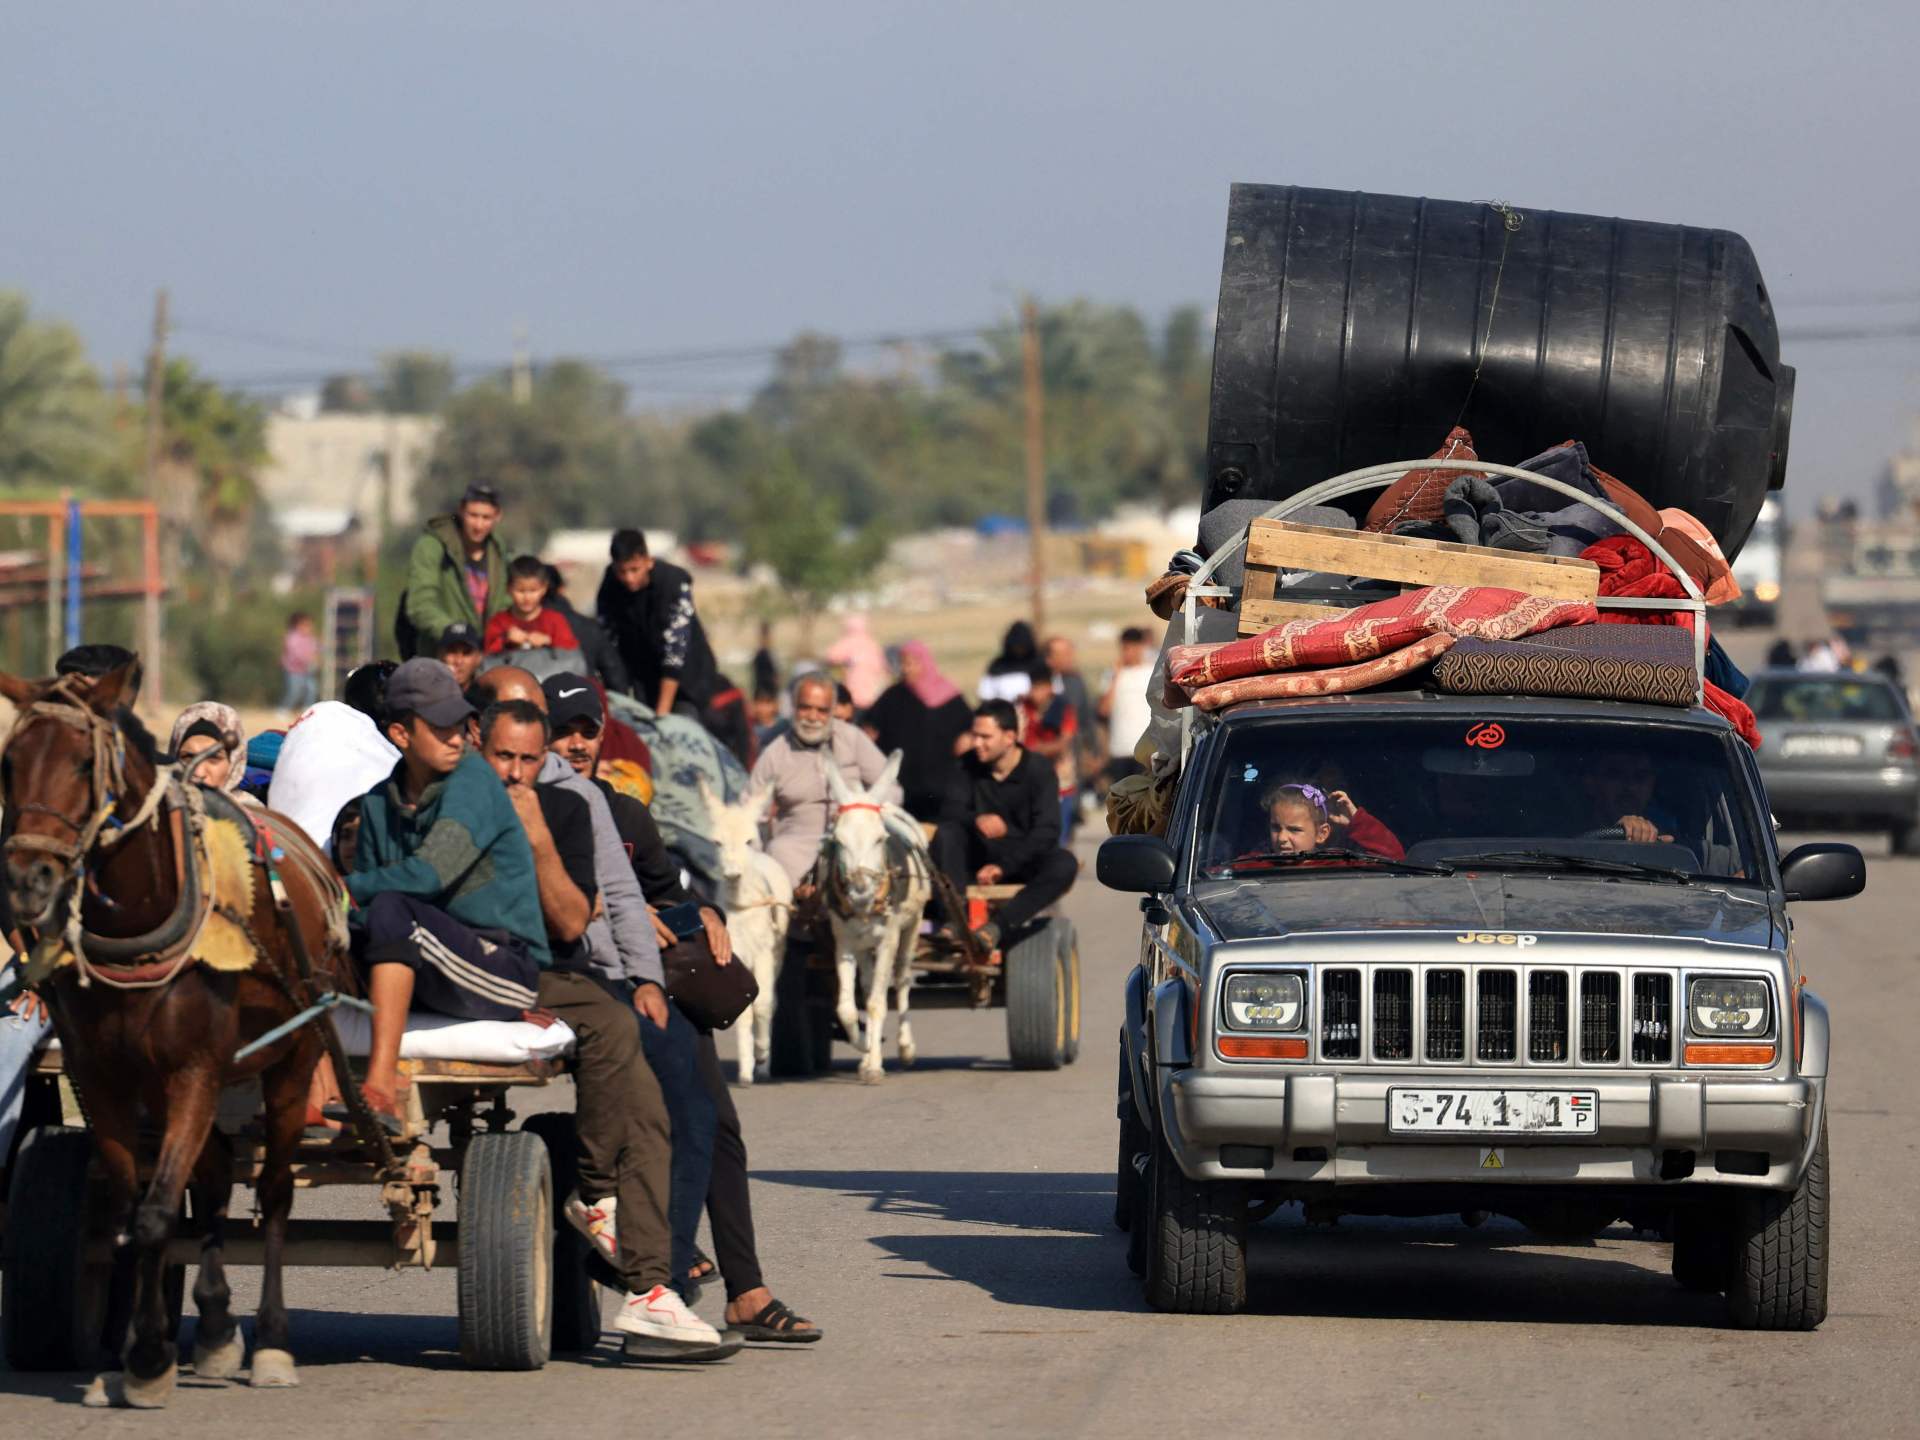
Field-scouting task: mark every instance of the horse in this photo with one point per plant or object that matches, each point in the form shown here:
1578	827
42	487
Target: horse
878	881
759	902
107	866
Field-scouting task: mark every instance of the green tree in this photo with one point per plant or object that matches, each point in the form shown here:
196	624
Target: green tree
414	382
346	395
797	531
213	443
55	427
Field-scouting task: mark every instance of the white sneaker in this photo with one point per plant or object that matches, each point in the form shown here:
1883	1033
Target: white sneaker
660	1314
595	1221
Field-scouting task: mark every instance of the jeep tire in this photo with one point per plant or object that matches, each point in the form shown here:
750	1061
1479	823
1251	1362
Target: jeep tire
1777	1276
1196	1244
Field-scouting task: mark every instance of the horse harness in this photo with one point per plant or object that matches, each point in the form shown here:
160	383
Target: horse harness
837	876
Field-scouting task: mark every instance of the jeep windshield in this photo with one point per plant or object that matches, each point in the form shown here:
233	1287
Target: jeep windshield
1602	799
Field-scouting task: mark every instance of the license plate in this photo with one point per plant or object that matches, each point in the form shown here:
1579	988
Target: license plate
1821	745
1493	1112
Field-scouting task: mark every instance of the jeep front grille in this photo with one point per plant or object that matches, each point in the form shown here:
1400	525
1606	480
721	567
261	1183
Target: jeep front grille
1446	1015
1499	1029
1340	1014
1498	1015
1599	1018
1653	1019
1393	1014
1547	1016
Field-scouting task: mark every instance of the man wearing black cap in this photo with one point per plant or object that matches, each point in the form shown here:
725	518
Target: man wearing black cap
449	900
456	575
460	650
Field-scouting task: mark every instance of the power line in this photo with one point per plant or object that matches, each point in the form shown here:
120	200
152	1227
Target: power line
269	342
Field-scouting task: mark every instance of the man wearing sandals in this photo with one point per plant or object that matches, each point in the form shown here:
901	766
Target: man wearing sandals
621	1114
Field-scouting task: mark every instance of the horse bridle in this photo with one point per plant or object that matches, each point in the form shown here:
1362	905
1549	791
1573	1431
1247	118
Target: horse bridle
107	781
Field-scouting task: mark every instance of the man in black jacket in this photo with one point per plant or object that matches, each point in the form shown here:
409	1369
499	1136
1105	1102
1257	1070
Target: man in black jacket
648	605
1001	825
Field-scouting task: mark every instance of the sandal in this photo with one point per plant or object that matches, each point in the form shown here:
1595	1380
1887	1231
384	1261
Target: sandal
317	1126
386	1111
776	1325
703	1267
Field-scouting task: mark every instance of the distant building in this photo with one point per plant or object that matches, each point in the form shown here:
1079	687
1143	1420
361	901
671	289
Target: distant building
338	464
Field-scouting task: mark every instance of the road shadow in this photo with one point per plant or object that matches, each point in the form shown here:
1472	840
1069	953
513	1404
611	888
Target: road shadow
1052	1245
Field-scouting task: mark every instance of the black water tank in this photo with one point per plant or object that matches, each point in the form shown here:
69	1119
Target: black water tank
1351	326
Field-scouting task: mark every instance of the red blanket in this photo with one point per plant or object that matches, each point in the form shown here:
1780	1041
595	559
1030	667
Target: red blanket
1628	568
1348	637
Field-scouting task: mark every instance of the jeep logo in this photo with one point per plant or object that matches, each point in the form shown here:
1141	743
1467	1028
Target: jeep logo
1489	937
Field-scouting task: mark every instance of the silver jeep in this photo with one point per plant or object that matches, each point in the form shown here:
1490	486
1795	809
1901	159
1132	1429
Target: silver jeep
1407	953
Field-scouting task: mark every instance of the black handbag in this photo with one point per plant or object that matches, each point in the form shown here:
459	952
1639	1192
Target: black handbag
708	993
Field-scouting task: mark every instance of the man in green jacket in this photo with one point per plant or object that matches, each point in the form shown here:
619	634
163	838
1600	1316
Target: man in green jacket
457	574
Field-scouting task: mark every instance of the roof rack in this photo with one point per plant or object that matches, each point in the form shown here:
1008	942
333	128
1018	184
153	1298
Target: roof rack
1375	477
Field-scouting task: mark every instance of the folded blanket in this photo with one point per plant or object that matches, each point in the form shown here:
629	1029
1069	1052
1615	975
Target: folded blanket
1336	680
1485	611
1648	663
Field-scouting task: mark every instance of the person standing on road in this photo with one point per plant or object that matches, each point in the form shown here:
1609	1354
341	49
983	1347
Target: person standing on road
1001	826
456	575
1123	704
924	717
647	604
620	1112
299	659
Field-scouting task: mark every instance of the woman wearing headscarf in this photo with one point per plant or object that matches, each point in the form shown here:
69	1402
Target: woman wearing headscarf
925	718
210	747
1011	674
861	661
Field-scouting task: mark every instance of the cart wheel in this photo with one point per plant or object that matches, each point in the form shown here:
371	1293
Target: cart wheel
54	1303
506	1252
576	1297
1070	985
1037	1000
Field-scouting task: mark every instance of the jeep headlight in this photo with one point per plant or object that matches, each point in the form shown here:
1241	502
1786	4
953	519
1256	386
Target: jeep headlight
1264	1002
1726	1005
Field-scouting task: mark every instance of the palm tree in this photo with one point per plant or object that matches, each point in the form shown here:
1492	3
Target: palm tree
53	416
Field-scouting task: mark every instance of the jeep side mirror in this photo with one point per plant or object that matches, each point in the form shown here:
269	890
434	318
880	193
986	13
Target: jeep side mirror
1824	870
1143	864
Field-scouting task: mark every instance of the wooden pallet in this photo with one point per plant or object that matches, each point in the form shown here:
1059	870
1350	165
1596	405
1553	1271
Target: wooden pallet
1277	545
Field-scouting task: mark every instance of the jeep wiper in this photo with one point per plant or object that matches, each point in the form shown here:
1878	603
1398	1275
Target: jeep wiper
1561	860
1341	858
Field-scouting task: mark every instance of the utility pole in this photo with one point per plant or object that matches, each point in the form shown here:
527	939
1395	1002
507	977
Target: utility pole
156	374
1036	464
522	367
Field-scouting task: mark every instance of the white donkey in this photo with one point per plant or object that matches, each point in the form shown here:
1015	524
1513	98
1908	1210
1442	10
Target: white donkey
759	903
877	889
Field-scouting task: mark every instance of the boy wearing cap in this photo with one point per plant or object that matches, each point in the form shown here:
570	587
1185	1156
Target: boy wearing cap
459	650
457	573
444	877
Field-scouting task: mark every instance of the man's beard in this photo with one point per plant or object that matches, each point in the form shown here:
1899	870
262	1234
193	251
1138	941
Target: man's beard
812	732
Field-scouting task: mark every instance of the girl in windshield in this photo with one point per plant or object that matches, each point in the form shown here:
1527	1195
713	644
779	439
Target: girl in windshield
1303	818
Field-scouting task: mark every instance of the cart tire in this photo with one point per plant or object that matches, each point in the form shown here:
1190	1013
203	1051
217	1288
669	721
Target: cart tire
1701	1248
1070	983
1197	1249
1037	1000
1778	1277
506	1252
576	1297
54	1304
790	1046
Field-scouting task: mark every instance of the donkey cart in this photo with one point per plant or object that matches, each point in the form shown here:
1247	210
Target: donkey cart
1034	976
524	1288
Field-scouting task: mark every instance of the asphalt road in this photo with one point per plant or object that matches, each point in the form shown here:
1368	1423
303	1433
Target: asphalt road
951	1231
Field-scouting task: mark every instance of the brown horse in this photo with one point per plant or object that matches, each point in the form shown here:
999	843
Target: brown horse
100	850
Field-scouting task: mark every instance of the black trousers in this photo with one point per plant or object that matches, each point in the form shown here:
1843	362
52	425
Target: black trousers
960	850
729	1206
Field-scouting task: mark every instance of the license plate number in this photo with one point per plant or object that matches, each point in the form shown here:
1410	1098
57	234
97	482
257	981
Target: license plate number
1493	1112
1821	745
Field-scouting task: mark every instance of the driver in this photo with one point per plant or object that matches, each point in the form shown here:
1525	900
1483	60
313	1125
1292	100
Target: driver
794	768
1618	790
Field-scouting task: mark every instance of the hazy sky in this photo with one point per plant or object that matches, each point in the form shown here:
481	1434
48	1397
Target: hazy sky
627	178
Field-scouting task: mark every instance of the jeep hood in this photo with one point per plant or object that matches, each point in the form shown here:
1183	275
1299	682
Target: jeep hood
1272	907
